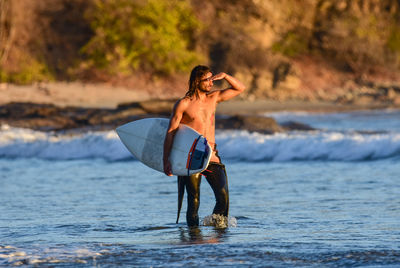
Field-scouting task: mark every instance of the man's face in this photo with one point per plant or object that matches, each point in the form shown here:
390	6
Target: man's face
206	83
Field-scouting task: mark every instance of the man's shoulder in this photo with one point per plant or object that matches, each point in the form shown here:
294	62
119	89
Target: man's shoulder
184	100
182	103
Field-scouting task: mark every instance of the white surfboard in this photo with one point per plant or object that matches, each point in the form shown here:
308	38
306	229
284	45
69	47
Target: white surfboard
144	138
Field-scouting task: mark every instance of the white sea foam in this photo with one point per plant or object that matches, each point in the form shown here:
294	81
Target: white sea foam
11	256
17	142
234	145
219	221
316	145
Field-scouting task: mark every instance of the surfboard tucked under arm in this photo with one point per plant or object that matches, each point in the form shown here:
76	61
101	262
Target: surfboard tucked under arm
144	138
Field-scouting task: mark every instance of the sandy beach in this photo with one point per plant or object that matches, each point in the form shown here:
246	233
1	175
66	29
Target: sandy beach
71	94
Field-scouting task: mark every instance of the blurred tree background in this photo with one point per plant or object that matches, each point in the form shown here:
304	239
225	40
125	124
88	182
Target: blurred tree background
153	36
270	45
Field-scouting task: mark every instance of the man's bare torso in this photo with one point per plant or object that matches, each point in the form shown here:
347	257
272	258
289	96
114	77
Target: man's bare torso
200	115
197	109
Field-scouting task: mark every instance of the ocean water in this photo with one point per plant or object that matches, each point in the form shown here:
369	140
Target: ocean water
323	198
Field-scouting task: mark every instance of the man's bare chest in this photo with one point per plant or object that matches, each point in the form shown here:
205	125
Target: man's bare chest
201	113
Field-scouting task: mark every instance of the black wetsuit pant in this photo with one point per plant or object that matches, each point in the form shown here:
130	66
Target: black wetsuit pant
218	180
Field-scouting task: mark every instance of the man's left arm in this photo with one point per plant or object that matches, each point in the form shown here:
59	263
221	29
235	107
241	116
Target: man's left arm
236	87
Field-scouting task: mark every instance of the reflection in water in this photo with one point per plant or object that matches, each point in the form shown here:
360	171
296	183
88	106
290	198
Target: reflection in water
193	235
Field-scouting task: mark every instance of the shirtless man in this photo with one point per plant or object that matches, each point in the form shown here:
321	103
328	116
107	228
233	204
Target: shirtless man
197	110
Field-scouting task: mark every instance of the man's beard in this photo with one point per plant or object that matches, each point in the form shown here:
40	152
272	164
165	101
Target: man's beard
203	90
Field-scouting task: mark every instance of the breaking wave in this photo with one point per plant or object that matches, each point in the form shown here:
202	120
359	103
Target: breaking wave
232	145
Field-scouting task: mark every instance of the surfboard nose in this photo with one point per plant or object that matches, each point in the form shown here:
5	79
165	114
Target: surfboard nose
123	128
122	132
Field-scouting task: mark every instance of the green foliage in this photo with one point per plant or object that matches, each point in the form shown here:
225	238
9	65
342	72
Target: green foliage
393	45
356	35
366	28
155	36
393	42
30	70
291	45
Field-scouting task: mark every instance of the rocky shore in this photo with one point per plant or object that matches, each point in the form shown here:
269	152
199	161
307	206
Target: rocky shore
48	117
74	106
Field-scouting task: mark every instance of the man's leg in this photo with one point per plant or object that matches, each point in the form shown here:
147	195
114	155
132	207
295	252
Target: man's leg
193	199
218	180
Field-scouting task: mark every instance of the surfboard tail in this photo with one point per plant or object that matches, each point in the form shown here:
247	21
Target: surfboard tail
181	193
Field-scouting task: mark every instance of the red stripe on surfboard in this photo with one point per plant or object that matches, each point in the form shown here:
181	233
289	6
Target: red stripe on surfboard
191	151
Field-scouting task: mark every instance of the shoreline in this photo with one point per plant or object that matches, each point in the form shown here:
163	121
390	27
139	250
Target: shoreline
75	106
106	96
